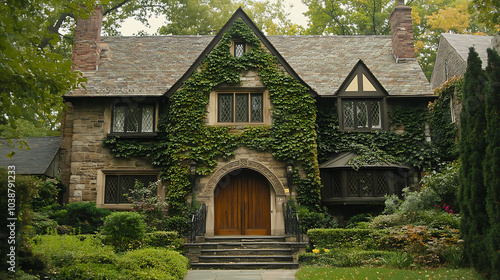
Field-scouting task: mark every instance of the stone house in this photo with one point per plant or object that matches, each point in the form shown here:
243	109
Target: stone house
171	107
451	61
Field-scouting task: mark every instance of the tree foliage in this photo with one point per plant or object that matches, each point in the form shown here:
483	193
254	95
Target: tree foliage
480	156
34	65
349	17
488	12
491	162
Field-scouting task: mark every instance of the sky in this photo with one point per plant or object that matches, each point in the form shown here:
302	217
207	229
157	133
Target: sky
131	26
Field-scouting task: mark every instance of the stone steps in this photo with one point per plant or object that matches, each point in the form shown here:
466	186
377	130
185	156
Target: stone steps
244	252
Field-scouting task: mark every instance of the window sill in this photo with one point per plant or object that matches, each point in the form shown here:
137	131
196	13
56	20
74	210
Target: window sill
240	124
353	200
141	135
124	206
362	130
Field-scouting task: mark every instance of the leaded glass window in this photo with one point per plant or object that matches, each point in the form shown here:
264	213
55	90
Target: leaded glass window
364	183
240	107
117	186
349	114
362	114
239	49
133	118
257	107
225	107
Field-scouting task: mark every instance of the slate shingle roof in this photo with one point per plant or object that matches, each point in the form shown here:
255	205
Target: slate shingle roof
151	65
36	160
462	42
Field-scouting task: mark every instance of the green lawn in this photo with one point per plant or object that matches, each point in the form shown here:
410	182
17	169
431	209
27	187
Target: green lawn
357	273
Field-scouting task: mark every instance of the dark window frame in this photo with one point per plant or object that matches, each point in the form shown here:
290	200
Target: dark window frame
118	197
369	127
336	183
250	119
239	43
128	108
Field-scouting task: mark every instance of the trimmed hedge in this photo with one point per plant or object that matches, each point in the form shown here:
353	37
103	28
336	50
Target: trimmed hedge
164	239
340	238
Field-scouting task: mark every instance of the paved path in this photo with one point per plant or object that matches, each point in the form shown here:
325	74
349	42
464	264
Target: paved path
241	275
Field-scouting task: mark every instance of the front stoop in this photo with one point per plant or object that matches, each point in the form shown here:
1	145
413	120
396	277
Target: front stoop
245	252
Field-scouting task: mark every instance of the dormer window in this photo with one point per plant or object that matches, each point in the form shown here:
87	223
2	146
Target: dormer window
239	48
361	101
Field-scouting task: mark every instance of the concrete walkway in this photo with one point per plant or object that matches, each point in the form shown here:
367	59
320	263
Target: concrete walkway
241	275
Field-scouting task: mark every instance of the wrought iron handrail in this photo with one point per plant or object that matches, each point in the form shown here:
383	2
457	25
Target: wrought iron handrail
292	222
198	222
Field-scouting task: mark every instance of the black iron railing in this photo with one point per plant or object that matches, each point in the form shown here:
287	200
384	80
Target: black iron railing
198	222
292	222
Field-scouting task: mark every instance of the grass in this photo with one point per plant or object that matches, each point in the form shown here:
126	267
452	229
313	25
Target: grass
369	273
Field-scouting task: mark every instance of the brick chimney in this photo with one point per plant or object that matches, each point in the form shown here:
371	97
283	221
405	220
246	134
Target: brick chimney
86	50
402	32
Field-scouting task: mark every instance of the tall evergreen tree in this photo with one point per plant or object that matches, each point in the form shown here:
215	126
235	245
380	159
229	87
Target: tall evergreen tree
472	194
491	163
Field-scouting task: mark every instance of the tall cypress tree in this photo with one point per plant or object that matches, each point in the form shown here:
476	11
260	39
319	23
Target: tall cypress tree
491	163
472	193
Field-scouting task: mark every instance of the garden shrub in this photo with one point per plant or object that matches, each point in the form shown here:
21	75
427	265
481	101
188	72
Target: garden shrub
445	184
146	201
46	198
344	238
25	190
177	223
154	263
41	223
64	250
347	258
312	219
85	271
85	217
356	220
166	239
124	230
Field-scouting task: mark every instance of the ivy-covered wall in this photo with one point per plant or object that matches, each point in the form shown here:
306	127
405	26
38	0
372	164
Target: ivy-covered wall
409	146
444	127
184	136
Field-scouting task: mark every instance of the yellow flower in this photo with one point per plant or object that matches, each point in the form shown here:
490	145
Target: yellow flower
316	251
327	250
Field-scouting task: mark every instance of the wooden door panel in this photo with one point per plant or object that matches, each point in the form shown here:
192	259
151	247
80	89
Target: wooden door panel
243	206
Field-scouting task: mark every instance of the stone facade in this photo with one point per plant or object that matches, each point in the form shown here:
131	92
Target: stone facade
85	158
451	64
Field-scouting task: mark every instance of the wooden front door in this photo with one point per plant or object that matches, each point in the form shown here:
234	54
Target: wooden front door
243	204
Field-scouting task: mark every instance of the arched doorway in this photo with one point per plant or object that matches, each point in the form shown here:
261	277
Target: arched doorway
242	204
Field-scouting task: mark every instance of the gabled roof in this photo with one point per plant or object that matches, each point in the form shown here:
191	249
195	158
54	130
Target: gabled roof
342	161
155	65
238	14
462	42
363	80
33	161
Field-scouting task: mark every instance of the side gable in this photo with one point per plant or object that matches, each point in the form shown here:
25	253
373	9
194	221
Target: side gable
239	14
361	82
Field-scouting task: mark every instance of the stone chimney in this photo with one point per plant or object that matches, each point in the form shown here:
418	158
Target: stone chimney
402	32
86	51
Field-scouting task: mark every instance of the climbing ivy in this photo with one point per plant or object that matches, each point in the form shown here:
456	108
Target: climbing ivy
184	136
444	132
408	147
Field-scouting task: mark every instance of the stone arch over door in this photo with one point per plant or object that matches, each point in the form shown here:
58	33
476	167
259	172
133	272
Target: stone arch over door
278	193
276	184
